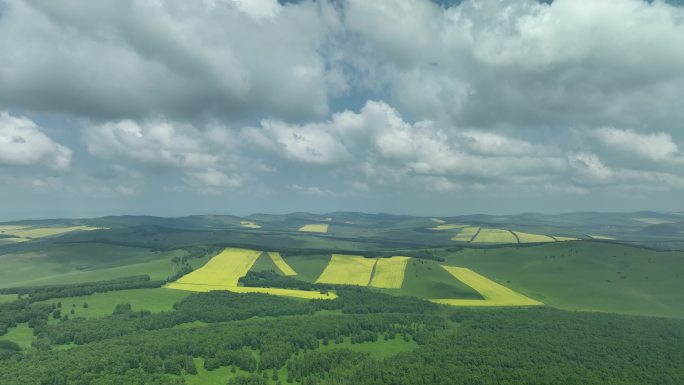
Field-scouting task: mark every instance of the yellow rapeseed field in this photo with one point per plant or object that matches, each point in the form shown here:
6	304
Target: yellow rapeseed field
281	264
652	221
495	236
26	233
250	225
449	226
315	228
347	270
561	239
240	289
533	238
224	269
389	272
494	294
466	234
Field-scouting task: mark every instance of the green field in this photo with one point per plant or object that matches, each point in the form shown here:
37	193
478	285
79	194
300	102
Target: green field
70	263
7	297
20	334
592	276
99	304
379	349
308	267
427	279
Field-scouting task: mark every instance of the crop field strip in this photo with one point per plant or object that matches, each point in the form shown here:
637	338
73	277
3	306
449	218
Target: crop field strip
389	272
26	233
494	236
223	271
437	220
493	293
466	234
314	228
533	238
281	264
448	226
348	270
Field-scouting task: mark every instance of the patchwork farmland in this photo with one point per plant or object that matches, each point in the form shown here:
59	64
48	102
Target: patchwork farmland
493	293
389	272
314	228
224	270
348	270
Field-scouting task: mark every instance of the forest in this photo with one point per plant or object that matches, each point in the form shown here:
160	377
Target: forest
258	334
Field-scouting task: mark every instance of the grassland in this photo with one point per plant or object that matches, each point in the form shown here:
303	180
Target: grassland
84	262
379	349
494	236
585	276
250	225
348	270
603	237
7	297
211	377
281	264
308	267
224	269
99	304
315	228
389	272
493	293
427	279
21	334
466	234
533	238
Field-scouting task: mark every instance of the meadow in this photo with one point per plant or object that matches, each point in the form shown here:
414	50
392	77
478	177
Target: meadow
584	275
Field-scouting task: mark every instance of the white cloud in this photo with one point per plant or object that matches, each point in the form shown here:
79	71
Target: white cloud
155	143
312	190
213	178
23	143
657	146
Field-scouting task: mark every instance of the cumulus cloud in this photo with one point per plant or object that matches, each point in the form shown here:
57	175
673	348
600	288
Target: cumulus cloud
202	154
657	146
126	59
377	137
23	143
156	143
474	96
522	62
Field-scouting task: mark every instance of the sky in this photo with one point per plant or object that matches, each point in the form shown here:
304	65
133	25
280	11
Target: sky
178	107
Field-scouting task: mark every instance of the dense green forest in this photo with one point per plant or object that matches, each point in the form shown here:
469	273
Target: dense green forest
262	336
